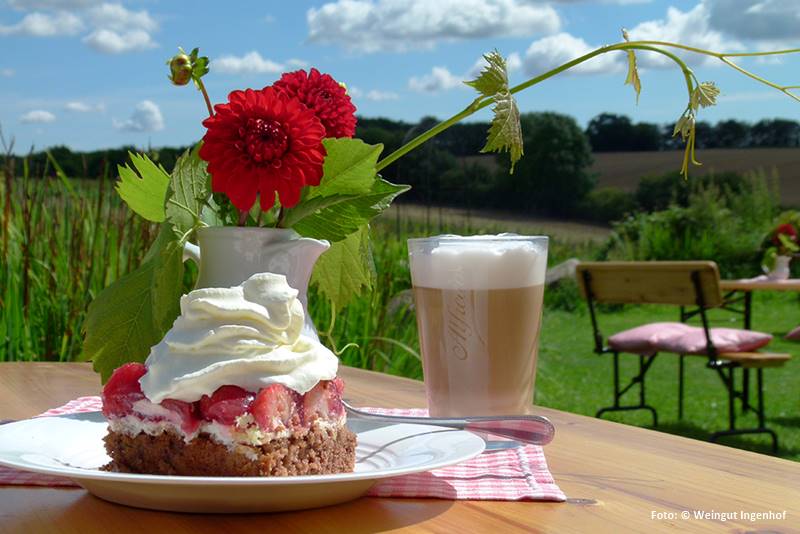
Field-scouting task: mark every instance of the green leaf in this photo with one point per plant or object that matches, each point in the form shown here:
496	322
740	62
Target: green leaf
144	192
346	269
493	78
349	168
505	132
189	190
133	314
336	217
633	75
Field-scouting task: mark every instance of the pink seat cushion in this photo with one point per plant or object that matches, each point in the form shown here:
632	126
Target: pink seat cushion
684	339
725	340
647	339
794	335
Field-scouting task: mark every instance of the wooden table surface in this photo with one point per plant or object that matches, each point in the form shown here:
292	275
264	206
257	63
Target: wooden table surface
760	285
617	477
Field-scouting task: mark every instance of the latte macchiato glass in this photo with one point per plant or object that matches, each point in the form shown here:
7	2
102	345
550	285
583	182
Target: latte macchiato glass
479	310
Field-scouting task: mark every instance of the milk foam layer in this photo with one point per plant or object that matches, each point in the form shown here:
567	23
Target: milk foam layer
480	262
248	335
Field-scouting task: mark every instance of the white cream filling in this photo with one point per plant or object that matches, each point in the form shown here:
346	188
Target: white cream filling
245	433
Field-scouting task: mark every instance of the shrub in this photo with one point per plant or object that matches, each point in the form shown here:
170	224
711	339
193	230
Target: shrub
608	204
726	225
658	192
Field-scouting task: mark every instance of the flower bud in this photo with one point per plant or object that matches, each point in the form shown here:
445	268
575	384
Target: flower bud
180	67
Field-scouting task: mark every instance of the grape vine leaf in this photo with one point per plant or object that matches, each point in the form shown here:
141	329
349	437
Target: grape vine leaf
493	78
633	74
143	192
345	269
133	314
505	132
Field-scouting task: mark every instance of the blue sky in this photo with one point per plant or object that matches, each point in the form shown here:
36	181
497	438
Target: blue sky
90	74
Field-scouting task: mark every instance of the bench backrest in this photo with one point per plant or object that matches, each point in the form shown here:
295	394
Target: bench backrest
682	283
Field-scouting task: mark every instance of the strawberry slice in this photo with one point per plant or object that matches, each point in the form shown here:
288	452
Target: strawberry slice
122	390
186	412
324	401
226	404
277	406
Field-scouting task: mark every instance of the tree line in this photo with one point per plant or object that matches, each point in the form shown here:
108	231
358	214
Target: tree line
553	177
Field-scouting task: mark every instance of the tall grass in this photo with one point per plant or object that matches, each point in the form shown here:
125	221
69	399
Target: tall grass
62	242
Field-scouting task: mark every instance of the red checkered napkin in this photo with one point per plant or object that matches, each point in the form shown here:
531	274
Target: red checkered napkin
504	475
519	474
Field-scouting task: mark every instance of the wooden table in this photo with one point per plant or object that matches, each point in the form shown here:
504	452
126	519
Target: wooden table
747	287
618	479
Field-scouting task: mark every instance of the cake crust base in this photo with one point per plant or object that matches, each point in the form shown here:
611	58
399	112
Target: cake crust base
317	452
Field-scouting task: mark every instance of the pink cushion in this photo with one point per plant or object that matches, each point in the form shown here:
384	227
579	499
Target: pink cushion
794	335
648	338
684	339
725	340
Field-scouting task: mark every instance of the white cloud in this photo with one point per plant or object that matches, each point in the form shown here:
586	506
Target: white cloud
146	117
112	42
376	25
45	25
439	79
513	62
83	107
250	63
299	63
116	17
690	28
375	95
37	116
550	52
7	73
764	20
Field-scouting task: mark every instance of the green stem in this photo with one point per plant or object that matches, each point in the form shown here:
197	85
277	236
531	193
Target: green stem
482	103
202	87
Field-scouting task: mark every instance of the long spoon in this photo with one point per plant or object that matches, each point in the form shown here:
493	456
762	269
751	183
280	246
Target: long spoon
533	429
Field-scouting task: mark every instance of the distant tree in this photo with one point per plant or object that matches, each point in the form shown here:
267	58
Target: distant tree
775	133
553	176
704	135
608	132
645	136
731	134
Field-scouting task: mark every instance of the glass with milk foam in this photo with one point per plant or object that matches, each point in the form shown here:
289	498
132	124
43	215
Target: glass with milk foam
479	310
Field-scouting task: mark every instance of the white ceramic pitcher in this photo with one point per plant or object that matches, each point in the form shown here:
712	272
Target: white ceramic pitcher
229	255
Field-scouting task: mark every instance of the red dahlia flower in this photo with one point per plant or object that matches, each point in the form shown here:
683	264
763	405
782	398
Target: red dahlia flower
324	95
262	143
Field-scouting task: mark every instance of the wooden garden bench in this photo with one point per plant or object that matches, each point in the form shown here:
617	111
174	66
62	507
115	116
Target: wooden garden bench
684	284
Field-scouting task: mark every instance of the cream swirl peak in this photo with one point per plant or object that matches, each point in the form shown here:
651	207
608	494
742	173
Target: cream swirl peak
248	335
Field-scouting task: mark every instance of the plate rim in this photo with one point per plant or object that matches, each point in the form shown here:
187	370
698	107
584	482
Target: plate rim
77	474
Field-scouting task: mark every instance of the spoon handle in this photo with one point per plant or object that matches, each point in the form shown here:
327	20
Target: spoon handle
533	429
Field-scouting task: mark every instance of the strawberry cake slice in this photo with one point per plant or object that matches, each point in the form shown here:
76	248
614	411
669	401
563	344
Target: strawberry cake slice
233	432
235	388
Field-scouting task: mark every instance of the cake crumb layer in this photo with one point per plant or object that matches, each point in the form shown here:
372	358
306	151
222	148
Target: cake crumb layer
319	451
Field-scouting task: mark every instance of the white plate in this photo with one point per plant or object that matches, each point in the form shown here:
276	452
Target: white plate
72	446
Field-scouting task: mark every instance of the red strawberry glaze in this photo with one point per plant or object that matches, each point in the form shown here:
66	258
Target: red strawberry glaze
226	404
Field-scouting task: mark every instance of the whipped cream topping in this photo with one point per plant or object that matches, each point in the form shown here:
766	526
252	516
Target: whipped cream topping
248	335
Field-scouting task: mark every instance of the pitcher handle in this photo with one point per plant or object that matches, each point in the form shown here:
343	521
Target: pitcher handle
191	252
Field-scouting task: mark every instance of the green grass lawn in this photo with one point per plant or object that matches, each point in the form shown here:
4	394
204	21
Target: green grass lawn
571	377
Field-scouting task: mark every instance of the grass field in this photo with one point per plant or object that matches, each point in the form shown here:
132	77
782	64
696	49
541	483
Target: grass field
62	243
